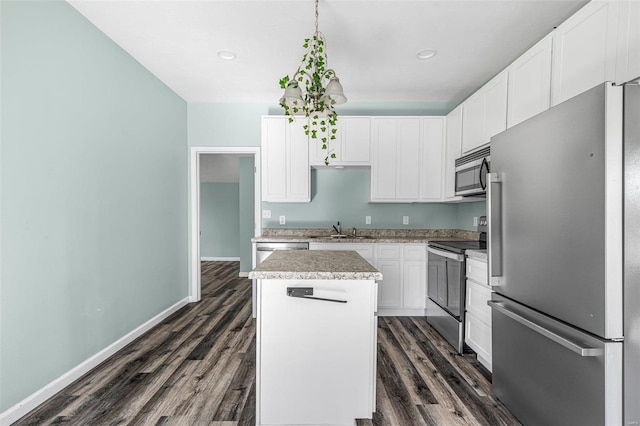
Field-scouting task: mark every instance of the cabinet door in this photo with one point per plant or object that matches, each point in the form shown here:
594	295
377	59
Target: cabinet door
584	50
274	157
432	159
453	150
408	164
317	154
390	288
628	57
385	154
530	83
478	337
473	122
355	140
495	108
297	167
414	280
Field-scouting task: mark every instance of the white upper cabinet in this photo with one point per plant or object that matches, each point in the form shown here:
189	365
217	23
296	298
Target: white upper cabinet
584	50
352	145
495	98
384	143
407	159
473	122
453	150
628	57
285	161
431	168
485	113
530	83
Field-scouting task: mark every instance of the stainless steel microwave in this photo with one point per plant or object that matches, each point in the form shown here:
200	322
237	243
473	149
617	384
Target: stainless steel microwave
471	173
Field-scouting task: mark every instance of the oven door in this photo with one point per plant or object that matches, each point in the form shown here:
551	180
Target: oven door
446	280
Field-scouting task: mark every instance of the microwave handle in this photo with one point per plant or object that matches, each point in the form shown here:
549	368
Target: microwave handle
484	173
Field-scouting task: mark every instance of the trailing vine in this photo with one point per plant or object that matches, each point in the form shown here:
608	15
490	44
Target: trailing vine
317	107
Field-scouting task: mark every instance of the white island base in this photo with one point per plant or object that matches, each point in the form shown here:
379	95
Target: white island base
316	359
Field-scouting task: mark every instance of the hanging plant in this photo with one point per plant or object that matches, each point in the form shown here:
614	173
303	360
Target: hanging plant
317	99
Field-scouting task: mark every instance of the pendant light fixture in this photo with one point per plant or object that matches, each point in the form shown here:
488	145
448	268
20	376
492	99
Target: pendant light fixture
313	90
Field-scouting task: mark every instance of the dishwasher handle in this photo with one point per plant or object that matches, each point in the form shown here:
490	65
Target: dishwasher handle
307	293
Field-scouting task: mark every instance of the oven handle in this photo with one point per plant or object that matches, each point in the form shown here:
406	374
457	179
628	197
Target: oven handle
444	253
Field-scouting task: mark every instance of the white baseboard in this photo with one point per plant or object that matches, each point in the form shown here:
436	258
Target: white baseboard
38	397
243	275
220	259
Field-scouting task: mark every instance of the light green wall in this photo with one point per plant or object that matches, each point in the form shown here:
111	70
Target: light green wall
344	195
466	213
93	194
247	211
219	219
218	124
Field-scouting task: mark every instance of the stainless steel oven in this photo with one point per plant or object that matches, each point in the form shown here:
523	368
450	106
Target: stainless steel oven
446	285
471	173
446	288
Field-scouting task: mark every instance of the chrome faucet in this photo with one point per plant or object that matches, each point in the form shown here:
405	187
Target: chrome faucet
338	229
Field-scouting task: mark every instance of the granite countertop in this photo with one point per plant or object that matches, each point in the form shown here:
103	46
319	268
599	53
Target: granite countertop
315	265
370	236
477	254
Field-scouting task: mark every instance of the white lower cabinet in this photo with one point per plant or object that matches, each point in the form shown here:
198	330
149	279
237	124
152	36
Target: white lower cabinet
404	269
478	313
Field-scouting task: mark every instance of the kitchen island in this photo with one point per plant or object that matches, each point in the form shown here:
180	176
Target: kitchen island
316	338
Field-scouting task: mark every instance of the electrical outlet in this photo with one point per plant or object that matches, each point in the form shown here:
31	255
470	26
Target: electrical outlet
405	220
266	214
282	220
475	221
367	220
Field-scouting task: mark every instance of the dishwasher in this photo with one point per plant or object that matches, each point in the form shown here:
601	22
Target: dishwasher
264	250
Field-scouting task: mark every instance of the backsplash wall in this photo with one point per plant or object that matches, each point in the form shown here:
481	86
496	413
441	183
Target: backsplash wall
343	195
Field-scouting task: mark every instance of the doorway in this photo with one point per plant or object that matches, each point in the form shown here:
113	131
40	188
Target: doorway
201	158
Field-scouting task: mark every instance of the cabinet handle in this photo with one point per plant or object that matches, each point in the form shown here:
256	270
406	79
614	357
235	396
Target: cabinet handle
307	293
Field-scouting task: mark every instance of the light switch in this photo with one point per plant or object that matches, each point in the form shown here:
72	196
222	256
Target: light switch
367	220
475	221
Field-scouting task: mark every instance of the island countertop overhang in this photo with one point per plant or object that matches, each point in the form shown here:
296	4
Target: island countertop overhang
315	265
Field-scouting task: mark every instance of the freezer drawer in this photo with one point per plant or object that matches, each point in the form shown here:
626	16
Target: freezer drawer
548	373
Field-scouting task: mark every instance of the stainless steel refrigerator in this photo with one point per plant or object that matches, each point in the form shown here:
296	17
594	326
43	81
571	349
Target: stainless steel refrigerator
564	259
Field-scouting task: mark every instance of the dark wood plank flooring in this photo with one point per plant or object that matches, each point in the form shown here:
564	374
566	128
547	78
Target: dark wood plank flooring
198	368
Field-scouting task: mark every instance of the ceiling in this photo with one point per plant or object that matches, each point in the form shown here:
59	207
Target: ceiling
371	44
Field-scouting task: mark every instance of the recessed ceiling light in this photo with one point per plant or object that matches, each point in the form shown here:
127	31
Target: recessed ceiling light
426	54
226	55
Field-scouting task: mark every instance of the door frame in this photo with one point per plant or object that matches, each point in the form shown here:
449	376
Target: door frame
194	190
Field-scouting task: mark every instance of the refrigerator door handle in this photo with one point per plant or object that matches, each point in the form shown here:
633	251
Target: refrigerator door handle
494	228
567	343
